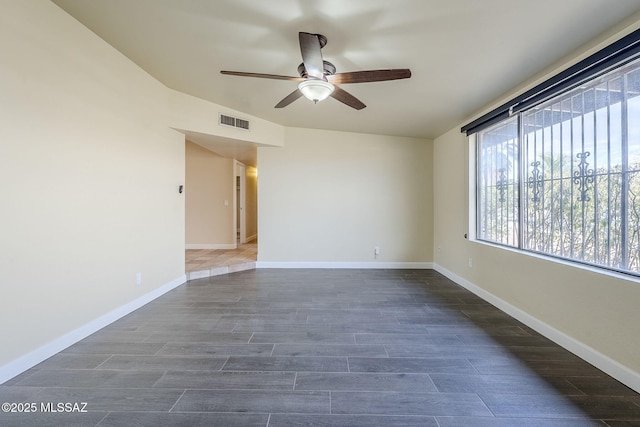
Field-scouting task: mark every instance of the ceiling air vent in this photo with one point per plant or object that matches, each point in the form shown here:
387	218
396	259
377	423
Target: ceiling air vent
233	122
242	124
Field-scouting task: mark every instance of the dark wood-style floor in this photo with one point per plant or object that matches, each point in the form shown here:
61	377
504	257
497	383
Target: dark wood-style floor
320	348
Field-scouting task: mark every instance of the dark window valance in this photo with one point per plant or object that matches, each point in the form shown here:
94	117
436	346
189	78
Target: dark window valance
615	55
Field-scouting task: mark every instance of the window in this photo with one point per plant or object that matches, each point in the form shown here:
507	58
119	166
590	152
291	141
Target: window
562	177
498	184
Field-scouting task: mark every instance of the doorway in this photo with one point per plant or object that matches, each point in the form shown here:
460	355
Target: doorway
240	203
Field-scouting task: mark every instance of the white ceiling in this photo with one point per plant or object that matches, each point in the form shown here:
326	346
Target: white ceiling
463	54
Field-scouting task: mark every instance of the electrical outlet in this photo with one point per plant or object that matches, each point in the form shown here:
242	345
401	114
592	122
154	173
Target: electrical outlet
470	262
138	278
376	250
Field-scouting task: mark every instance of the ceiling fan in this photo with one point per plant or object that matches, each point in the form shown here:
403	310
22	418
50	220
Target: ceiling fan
318	79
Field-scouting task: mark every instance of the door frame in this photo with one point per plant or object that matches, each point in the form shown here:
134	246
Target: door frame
239	202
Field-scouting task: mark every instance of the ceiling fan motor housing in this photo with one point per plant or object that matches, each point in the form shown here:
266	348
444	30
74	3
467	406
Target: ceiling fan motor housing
322	39
328	67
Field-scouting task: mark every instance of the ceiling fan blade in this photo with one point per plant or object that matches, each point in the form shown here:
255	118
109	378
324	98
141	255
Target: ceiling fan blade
346	98
289	99
370	76
260	75
311	55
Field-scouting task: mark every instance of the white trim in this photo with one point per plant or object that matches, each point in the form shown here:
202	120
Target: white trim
239	201
603	362
42	353
471	190
364	264
251	238
210	246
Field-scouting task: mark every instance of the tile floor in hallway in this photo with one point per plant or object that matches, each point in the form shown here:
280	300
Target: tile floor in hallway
201	263
275	348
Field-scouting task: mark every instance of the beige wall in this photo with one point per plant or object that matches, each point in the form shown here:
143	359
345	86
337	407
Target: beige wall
332	196
593	314
90	173
209	192
91	168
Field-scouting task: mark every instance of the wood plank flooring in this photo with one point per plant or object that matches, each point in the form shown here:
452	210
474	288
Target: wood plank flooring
275	348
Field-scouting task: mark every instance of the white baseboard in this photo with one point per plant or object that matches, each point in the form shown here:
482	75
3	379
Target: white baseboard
251	238
42	353
363	265
606	364
210	246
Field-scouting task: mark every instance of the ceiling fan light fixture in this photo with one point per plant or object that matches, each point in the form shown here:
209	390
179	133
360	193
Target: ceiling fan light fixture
316	90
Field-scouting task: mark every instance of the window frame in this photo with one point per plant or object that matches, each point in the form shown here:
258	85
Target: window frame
615	55
524	156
